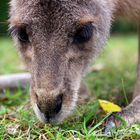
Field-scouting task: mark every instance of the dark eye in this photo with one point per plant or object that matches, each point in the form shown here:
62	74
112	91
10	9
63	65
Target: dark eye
83	34
20	33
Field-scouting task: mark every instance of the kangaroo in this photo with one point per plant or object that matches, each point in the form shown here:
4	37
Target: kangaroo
58	39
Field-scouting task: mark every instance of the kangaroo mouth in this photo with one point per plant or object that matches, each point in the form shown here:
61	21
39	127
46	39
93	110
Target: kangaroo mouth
68	107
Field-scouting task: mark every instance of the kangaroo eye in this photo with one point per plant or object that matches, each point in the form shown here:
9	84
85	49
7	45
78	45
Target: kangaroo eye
20	33
83	34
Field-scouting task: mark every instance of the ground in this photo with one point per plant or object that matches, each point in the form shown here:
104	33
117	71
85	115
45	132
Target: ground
113	77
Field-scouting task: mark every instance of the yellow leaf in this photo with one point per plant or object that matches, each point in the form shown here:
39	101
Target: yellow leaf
109	107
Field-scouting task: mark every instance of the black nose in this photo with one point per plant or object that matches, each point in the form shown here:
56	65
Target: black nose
58	103
52	107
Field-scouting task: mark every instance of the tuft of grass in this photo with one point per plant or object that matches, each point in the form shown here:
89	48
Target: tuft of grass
17	120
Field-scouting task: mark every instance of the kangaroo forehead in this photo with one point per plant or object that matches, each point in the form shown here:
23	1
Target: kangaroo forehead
54	15
44	6
51	9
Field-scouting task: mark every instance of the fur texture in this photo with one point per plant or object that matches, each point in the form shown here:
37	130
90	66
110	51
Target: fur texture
57	64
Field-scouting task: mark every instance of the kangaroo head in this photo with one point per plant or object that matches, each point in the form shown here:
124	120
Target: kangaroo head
57	39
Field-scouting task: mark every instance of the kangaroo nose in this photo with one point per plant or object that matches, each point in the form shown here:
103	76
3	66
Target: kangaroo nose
58	104
51	108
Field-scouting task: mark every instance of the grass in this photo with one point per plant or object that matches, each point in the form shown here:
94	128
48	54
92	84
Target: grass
117	77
